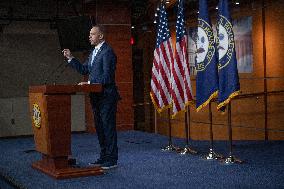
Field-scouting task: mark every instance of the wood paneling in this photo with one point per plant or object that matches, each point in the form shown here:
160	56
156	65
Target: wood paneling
248	114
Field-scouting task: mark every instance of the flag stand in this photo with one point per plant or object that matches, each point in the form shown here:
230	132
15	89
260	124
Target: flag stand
212	155
155	121
231	159
170	147
187	149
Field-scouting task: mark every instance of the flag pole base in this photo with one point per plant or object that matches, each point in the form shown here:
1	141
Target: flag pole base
170	147
231	160
187	150
212	155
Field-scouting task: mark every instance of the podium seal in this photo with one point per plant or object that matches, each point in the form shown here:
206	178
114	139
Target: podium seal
36	116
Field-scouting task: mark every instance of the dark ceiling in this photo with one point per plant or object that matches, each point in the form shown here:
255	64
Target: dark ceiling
143	11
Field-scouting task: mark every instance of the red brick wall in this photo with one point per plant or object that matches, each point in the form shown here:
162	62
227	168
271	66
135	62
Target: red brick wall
116	18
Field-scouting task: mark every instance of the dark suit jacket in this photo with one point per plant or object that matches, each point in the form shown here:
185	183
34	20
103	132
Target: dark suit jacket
102	70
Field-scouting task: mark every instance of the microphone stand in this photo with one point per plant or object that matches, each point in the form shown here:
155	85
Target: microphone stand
53	71
57	76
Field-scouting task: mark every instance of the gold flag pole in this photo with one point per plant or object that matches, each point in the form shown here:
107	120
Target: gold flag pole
231	159
170	146
187	149
212	155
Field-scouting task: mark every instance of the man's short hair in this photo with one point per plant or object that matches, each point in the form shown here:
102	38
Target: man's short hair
100	27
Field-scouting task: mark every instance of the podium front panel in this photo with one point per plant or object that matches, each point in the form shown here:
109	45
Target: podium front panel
58	117
51	122
39	121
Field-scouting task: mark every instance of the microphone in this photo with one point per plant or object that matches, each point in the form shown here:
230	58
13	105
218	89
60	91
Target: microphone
53	72
57	76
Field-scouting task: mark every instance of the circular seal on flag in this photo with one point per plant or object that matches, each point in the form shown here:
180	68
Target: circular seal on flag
205	45
36	116
225	42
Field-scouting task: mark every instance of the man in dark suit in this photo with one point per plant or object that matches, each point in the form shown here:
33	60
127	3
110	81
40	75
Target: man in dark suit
100	66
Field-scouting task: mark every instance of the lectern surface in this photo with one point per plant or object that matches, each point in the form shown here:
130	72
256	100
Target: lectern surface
66	89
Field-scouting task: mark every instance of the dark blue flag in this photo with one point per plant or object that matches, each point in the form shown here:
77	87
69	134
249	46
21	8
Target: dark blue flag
229	85
206	59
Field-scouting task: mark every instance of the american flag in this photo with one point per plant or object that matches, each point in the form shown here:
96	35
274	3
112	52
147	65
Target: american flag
163	59
181	85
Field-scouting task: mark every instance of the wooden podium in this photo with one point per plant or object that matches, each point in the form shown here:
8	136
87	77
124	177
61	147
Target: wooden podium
50	107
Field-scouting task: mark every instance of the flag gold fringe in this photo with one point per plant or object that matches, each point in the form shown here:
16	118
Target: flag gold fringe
174	115
159	110
225	102
213	95
189	103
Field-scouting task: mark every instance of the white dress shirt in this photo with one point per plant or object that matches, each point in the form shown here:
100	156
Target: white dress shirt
96	50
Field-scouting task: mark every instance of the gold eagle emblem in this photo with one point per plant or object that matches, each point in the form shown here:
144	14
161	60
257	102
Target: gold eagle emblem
36	116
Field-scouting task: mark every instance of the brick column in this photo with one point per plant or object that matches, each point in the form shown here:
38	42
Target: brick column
116	17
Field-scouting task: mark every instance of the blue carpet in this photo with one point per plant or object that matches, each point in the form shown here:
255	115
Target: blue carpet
143	165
